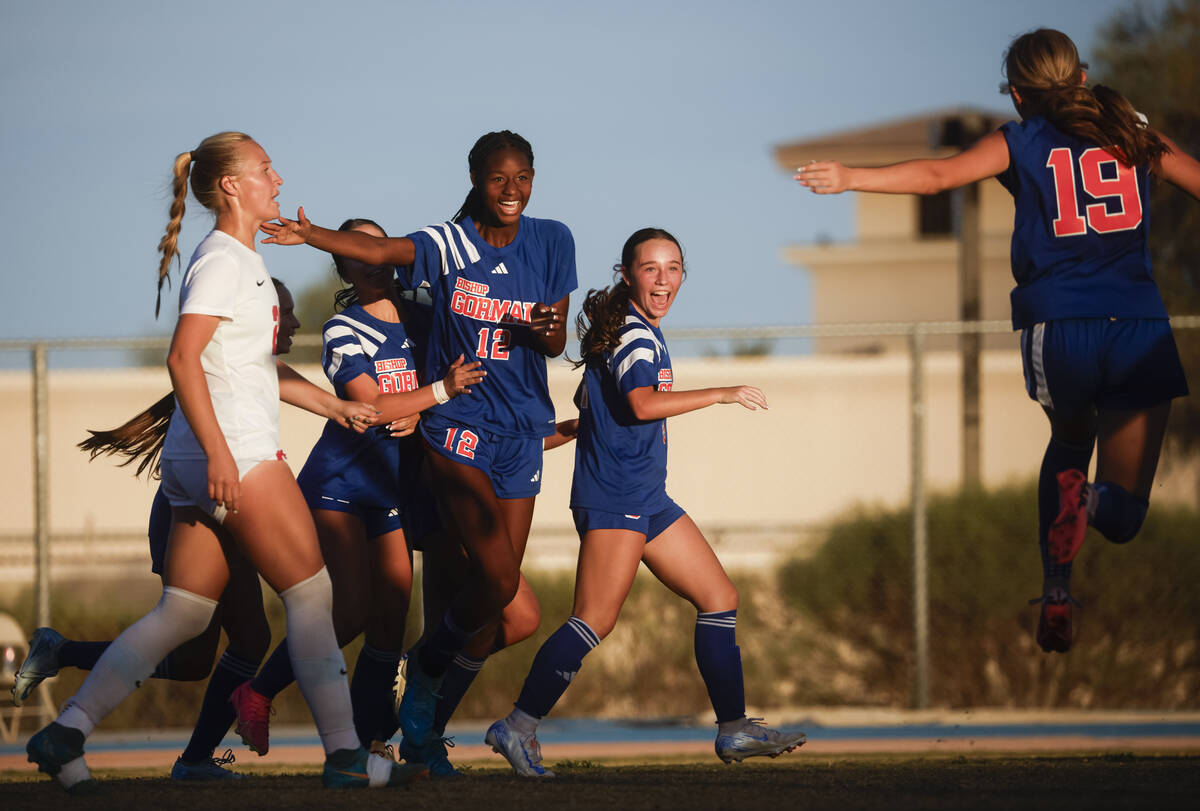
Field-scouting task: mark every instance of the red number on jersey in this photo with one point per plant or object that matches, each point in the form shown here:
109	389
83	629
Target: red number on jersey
499	349
1123	186
275	331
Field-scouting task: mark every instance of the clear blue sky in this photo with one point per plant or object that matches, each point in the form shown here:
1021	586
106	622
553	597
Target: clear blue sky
640	113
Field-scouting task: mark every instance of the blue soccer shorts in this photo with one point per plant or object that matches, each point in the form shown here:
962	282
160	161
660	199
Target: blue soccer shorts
650	524
1114	364
513	463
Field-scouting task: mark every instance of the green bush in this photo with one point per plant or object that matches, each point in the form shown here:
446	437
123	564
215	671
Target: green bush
1137	629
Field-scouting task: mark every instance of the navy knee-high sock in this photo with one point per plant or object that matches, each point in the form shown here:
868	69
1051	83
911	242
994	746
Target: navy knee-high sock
216	713
720	663
459	676
1059	456
440	647
371	694
555	665
276	673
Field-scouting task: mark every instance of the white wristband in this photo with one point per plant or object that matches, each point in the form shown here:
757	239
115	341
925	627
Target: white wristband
439	392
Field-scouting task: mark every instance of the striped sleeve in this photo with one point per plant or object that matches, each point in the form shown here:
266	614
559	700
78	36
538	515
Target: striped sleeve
440	249
348	347
634	362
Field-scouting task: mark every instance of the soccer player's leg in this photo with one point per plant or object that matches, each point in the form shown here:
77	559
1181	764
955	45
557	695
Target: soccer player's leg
609	555
681	558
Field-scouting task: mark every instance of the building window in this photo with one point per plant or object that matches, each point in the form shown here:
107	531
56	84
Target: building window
935	214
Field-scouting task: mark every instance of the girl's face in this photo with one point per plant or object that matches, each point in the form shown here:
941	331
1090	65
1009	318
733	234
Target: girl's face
256	183
505	184
288	322
370	282
654	278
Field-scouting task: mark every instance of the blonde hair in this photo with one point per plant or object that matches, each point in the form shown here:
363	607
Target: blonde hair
216	157
1043	67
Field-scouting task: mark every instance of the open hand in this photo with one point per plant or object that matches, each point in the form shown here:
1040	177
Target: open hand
745	396
462	376
822	177
288	232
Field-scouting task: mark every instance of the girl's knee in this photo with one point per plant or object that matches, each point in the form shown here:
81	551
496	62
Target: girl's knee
521	621
721	598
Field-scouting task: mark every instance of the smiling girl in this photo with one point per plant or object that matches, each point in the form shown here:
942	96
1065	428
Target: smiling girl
500	283
623	513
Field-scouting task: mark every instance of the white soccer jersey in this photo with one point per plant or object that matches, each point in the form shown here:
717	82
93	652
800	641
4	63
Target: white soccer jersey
230	281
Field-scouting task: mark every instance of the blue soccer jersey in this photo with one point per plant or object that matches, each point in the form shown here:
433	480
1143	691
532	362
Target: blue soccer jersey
370	469
620	461
482	298
1079	246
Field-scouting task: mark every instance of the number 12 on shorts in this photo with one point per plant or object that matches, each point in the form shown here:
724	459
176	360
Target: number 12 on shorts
467	440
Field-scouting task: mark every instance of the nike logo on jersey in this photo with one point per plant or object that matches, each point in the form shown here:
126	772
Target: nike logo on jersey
566	675
500	268
535	477
261	282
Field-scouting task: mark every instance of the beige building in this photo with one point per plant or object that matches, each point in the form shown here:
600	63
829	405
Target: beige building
903	262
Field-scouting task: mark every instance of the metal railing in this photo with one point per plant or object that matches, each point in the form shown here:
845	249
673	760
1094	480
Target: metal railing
915	332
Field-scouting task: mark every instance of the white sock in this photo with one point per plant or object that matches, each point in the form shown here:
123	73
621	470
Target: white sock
132	657
379	771
521	722
317	660
72	772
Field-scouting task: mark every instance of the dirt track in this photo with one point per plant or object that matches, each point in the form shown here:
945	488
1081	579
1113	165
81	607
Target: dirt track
809	781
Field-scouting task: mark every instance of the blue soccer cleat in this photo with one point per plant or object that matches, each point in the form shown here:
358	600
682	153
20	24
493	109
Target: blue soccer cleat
753	739
523	752
58	751
417	706
433	755
358	768
206	770
40	663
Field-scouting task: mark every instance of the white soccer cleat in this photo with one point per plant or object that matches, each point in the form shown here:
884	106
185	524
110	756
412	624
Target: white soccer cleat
753	739
523	752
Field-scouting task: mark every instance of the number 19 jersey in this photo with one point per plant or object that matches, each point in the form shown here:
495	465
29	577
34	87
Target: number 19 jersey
482	299
1079	245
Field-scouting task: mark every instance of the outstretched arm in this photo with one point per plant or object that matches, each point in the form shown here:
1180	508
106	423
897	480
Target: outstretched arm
352	244
1179	168
392	407
986	158
648	403
295	389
